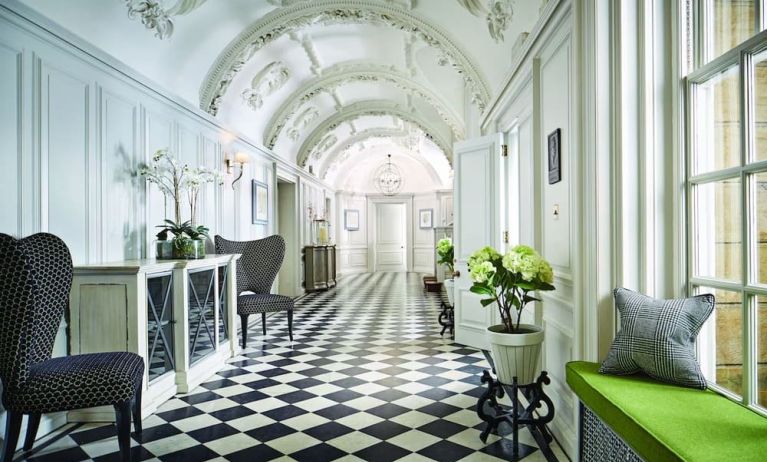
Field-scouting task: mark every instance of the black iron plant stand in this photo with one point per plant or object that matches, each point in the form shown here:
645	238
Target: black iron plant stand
516	415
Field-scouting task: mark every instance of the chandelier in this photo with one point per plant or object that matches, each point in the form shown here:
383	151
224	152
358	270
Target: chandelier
388	179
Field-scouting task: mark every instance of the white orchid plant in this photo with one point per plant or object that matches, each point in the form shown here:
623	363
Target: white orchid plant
174	178
508	280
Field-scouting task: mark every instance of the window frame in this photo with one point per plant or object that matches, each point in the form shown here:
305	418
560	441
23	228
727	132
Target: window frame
748	286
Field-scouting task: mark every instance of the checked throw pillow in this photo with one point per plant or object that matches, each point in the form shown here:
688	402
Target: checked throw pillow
657	337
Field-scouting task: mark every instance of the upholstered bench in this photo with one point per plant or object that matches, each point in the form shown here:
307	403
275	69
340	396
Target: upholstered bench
633	418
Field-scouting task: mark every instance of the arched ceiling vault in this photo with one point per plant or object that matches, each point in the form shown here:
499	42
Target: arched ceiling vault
345	73
289	19
329	84
369	108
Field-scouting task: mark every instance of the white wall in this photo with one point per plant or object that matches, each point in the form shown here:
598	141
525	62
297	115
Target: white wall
75	126
355	248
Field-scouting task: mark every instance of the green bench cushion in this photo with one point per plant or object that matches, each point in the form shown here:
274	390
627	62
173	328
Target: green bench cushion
664	422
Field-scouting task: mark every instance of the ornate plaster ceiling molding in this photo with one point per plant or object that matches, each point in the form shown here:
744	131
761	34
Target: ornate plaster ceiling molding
497	13
285	20
343	74
301	121
369	108
268	80
157	15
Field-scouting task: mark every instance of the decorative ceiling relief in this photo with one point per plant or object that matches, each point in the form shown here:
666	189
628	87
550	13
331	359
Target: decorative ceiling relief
157	15
300	15
497	13
324	145
369	108
302	121
270	79
343	74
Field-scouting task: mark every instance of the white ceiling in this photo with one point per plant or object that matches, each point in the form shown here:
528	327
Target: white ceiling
334	85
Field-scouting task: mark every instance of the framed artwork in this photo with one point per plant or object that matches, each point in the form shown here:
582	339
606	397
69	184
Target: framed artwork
555	157
351	220
260	203
426	218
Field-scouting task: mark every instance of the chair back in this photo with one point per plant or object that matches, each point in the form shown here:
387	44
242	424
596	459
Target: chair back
35	281
259	264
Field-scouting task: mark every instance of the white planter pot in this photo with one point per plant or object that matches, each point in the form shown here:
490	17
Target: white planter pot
516	355
449	287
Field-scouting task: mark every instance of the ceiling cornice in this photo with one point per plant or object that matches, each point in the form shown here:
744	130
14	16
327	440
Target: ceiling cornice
285	20
345	73
370	108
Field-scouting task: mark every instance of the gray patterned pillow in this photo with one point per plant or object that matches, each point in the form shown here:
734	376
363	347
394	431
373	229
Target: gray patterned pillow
657	337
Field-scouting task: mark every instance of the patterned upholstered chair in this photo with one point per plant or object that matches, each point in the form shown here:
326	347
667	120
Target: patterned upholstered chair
258	267
35	280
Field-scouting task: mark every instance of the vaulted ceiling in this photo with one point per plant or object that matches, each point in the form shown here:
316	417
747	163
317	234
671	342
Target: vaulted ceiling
333	85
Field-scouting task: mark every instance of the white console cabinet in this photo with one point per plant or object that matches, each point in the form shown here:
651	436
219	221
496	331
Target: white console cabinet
179	315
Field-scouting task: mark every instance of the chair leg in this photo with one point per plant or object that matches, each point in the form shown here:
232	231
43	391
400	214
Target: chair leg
263	322
122	419
33	422
290	324
244	322
137	409
12	430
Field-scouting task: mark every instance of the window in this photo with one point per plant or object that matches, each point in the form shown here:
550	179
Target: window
726	126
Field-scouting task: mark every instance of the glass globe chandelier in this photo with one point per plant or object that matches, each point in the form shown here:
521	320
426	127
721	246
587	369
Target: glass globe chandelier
388	179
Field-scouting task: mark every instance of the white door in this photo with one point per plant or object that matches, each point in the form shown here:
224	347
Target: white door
478	221
390	237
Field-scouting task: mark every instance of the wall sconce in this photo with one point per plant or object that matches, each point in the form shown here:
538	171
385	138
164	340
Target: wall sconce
239	158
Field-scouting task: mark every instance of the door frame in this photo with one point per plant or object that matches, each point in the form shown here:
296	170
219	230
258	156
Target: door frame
296	245
372	204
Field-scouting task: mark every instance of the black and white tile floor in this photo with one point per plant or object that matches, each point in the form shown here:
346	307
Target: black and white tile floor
368	377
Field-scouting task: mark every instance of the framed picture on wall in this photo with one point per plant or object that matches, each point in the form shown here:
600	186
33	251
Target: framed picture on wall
260	203
555	157
351	220
426	218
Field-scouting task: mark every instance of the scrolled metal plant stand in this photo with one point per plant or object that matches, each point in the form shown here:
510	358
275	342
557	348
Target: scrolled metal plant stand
446	318
516	415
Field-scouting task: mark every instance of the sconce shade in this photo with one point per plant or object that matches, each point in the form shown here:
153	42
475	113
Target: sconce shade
241	158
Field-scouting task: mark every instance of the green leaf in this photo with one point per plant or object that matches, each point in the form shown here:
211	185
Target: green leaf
546	286
487	301
481	290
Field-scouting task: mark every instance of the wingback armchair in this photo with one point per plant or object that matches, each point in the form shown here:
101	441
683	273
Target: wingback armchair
257	269
35	281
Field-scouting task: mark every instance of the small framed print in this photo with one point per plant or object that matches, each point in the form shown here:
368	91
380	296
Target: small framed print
555	156
351	220
426	218
260	203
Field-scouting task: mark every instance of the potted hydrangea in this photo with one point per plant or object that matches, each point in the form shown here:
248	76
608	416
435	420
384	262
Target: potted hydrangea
445	251
509	283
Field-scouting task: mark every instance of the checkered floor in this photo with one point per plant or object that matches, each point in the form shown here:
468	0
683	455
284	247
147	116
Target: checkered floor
368	377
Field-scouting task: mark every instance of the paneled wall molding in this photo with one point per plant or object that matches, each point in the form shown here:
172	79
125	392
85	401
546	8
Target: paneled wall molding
343	74
503	96
285	20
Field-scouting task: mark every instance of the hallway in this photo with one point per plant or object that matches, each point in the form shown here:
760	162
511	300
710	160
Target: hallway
367	378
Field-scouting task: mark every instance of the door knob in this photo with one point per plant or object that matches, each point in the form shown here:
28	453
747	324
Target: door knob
457	273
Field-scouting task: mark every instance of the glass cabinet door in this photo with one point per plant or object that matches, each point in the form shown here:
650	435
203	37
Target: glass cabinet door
223	305
160	322
202	306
